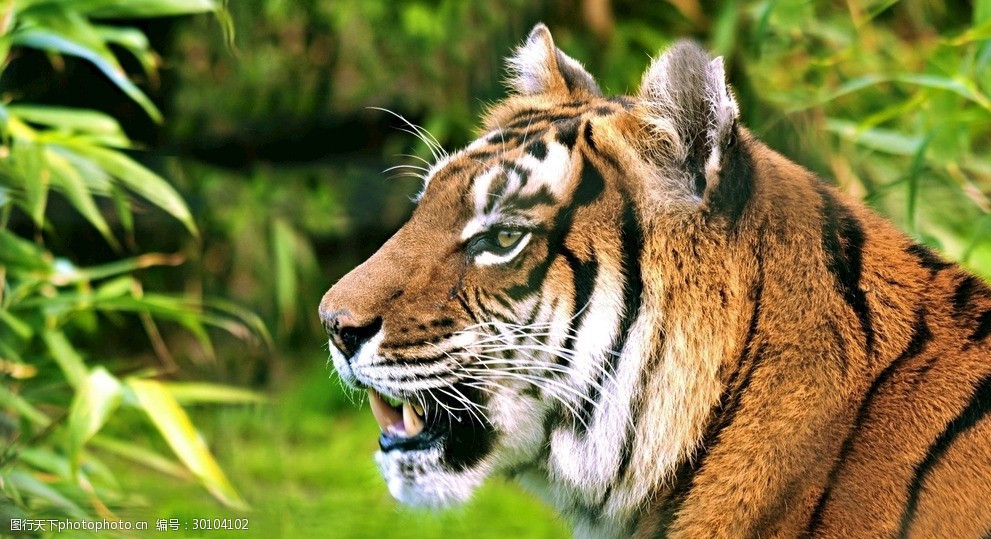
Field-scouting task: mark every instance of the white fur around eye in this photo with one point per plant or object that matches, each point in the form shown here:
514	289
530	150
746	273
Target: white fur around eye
487	258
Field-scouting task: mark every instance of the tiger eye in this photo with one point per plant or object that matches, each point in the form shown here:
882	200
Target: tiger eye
508	238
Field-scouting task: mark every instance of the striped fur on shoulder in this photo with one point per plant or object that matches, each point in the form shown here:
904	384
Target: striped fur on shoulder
665	328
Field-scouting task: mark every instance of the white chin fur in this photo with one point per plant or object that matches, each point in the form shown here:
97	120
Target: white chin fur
417	478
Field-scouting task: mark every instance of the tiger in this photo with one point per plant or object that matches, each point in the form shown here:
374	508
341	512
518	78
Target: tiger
651	320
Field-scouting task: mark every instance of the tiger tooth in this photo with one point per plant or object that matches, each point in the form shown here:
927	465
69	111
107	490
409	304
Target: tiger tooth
419	410
385	415
411	421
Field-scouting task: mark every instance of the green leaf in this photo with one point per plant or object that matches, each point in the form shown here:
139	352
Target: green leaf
141	9
199	392
27	483
175	426
286	278
49	41
68	359
67	180
142	181
135	42
960	86
875	138
915	171
24	408
22	255
70	119
253	322
124	213
34	178
21	328
45	460
140	455
97	397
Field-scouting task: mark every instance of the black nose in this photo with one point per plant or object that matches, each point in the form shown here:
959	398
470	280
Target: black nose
346	333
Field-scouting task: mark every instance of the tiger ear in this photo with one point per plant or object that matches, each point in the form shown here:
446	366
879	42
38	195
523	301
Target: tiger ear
692	112
538	67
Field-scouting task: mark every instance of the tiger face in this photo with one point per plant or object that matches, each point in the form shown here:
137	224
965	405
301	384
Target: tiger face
503	329
665	328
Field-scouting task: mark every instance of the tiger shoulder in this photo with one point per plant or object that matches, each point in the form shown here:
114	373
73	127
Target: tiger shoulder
666	329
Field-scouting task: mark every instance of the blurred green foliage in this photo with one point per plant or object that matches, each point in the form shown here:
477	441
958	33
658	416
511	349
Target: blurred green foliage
57	393
275	140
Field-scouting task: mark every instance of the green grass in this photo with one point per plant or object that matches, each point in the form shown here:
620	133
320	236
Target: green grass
305	465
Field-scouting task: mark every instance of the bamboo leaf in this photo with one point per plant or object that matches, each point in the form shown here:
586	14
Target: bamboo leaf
13	401
135	42
142	9
52	42
199	393
70	119
140	455
120	267
95	399
34	178
27	483
286	293
142	181
918	160
876	138
68	181
962	87
21	328
22	255
68	359
174	425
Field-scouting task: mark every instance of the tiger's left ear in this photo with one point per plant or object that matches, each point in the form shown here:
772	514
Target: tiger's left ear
538	67
691	111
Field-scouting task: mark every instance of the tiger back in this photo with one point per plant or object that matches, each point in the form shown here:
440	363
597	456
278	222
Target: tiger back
666	329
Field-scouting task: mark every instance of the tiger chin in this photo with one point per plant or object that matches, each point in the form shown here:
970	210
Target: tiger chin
666	329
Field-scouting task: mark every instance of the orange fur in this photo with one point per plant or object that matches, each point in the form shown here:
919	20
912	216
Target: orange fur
794	366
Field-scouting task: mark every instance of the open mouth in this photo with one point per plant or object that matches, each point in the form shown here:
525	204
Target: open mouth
404	426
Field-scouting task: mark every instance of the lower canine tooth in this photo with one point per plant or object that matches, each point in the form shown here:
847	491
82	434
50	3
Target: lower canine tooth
412	422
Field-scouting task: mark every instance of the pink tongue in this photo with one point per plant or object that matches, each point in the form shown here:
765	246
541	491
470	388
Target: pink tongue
390	420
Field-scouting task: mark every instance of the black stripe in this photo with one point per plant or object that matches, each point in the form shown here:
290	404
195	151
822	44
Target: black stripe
927	258
725	411
963	294
503	300
589	189
429	339
482	307
843	241
978	408
467	308
542	197
589	135
497	189
626	102
921	335
530	116
567	132
632	242
983	327
732	193
538	149
583	274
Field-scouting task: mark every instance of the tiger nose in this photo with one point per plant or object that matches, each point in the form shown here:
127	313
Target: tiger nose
346	333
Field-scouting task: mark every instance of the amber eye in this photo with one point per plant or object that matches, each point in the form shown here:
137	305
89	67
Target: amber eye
508	238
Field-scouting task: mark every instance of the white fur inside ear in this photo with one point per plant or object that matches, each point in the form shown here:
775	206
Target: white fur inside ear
724	112
532	68
662	110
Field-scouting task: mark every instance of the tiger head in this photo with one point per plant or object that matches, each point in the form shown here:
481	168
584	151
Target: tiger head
519	323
